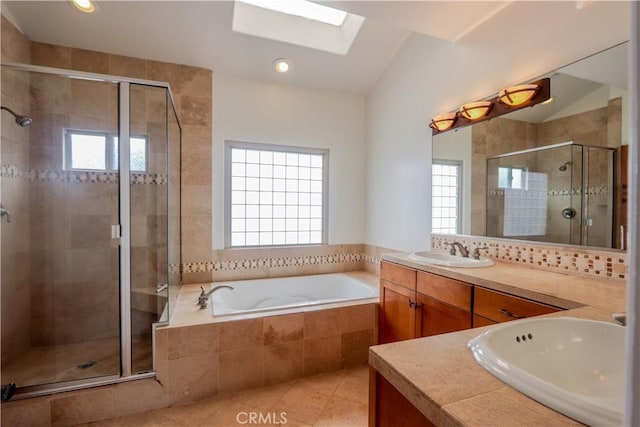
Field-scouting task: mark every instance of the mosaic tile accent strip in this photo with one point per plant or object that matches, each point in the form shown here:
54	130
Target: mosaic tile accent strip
584	262
591	191
256	263
78	177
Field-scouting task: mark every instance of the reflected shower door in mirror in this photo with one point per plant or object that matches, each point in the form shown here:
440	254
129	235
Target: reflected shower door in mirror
575	144
558	193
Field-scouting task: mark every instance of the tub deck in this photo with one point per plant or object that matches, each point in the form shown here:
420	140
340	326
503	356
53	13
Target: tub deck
186	312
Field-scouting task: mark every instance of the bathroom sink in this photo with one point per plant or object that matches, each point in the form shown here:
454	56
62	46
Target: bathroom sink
573	366
448	260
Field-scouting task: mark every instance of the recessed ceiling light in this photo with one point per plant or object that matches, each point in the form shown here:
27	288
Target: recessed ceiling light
281	65
86	6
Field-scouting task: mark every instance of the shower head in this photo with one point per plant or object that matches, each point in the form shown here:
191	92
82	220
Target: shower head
21	120
564	166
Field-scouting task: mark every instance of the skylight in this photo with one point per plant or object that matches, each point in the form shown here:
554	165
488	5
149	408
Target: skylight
304	9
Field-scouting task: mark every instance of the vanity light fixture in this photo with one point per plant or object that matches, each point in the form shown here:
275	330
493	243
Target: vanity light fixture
476	110
86	6
507	100
514	96
443	122
281	65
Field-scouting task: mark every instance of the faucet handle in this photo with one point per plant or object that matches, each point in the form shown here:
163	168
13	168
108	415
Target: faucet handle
452	250
476	252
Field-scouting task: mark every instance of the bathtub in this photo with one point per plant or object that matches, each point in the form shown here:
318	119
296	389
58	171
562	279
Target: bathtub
260	295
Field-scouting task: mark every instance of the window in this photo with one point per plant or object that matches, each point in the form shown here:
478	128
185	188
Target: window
275	195
511	177
445	215
98	151
304	9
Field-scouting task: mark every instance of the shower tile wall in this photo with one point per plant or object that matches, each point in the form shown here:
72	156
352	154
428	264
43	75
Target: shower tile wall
599	127
192	91
15	262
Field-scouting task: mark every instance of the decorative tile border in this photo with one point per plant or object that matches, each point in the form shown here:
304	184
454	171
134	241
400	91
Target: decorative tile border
78	177
585	262
275	262
591	191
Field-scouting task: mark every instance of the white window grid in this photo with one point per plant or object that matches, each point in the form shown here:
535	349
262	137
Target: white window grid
275	195
446	186
106	159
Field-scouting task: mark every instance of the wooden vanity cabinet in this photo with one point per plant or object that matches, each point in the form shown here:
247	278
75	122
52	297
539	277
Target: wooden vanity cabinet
417	304
491	307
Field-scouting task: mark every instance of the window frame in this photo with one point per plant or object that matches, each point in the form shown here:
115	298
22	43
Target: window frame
109	144
260	146
459	208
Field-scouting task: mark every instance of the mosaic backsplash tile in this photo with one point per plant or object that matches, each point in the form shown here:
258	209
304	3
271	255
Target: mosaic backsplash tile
78	177
583	262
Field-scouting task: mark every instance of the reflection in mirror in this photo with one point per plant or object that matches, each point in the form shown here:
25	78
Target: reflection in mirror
550	173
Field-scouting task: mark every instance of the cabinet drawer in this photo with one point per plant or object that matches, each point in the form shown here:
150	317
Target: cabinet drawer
399	275
458	294
503	307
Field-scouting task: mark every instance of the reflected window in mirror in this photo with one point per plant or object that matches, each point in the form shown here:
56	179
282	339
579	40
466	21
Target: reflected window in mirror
446	178
511	177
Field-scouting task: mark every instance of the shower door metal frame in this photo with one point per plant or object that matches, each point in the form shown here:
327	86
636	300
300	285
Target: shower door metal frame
124	211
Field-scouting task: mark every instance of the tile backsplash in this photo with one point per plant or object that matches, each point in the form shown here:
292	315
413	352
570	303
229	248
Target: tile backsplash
241	264
598	263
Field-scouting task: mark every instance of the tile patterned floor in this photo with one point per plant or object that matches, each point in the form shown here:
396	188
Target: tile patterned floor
338	399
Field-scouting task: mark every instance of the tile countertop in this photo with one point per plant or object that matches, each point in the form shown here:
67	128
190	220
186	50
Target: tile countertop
439	375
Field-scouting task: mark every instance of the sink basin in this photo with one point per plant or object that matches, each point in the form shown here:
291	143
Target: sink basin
573	366
448	260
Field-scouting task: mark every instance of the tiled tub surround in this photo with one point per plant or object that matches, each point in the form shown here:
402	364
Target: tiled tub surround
588	262
200	356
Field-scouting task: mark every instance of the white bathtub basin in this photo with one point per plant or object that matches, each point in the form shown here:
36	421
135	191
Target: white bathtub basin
574	366
448	260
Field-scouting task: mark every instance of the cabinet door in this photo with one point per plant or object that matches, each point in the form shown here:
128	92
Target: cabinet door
436	317
390	408
397	313
503	307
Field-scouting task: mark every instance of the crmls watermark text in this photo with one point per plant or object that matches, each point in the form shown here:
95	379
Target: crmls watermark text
261	418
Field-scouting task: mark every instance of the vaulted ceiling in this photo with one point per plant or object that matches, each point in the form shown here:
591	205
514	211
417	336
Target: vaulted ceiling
199	33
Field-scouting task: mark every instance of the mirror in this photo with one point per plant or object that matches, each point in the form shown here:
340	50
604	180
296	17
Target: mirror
555	172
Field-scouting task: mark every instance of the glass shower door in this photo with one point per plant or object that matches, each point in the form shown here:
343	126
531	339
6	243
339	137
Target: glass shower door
149	188
59	263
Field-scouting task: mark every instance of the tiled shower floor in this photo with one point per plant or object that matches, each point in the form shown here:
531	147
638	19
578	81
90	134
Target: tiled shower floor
49	364
333	399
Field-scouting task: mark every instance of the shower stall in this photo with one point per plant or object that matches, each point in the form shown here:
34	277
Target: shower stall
560	193
90	226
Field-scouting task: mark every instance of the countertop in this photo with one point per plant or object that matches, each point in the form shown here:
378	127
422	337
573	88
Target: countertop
440	377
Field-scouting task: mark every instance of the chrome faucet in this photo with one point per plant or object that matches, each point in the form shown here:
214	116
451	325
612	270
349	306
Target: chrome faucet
204	296
620	318
475	254
464	252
